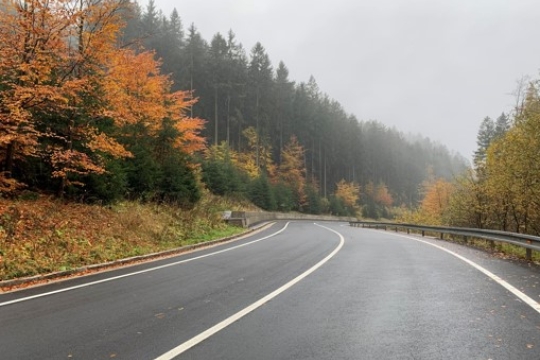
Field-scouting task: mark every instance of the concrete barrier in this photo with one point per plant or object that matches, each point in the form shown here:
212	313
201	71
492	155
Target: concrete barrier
249	218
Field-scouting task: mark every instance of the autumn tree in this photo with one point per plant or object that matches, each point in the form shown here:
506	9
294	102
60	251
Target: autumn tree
436	200
469	204
69	95
349	194
144	108
337	145
504	194
292	171
512	171
257	157
55	53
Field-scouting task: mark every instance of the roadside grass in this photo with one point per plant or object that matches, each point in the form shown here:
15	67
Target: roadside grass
45	235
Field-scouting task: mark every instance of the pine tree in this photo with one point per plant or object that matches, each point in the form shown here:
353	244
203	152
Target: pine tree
284	95
502	125
196	77
485	135
217	62
260	83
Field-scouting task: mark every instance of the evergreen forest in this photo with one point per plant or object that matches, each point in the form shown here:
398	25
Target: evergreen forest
104	101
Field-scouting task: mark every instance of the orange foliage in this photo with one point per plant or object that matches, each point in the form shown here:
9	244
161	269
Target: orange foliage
135	91
382	195
138	93
52	52
60	58
348	192
436	199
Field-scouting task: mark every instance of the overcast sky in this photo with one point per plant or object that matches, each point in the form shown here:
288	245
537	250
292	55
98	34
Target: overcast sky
424	66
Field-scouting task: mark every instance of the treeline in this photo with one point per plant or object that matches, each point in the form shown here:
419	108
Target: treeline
87	113
83	117
502	191
237	90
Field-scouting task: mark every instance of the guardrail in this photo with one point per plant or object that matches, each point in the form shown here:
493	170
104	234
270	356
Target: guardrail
529	242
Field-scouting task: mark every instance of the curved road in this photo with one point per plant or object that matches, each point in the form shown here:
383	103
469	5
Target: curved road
296	290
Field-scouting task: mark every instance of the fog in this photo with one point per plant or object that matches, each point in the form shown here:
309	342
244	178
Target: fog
422	66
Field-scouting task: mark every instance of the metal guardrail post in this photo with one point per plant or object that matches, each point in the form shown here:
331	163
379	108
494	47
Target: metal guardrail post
528	252
423	233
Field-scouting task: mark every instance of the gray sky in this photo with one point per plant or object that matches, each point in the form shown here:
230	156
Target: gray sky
424	66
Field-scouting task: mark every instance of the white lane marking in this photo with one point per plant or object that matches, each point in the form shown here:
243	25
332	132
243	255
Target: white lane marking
141	271
526	299
233	318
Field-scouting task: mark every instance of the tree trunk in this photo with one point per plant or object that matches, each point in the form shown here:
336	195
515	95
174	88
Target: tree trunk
215	115
10	154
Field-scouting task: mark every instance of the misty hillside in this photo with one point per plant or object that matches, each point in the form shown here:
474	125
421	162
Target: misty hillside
238	88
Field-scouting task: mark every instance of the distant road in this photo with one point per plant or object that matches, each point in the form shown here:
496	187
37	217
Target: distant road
296	290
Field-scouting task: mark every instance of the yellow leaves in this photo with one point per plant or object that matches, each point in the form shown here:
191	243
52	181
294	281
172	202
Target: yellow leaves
348	192
247	163
258	155
437	194
291	170
292	167
438	198
222	153
510	184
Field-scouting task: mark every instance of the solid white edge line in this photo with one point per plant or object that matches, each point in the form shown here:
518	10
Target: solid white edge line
526	299
235	317
10	302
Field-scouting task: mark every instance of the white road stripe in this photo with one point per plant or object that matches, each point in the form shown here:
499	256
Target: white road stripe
140	272
233	318
526	299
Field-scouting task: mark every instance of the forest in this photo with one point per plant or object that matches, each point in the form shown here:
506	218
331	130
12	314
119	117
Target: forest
502	192
502	189
104	100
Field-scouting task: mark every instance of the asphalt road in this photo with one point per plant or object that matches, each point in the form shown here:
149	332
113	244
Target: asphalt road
296	291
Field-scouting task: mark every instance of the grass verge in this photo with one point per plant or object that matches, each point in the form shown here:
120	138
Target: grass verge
46	235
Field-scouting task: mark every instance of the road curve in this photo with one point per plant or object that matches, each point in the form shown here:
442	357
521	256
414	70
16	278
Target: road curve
372	296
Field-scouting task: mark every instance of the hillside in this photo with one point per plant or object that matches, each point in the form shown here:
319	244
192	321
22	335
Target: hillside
42	235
